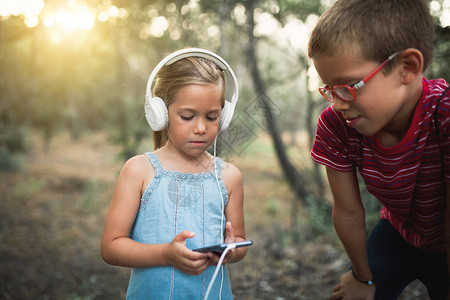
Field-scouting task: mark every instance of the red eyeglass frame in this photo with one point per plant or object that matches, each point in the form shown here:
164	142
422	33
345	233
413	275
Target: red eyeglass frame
352	89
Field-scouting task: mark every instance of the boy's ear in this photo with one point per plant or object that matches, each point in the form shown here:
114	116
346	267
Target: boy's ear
411	61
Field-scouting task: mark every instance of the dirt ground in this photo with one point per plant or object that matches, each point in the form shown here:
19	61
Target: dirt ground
51	220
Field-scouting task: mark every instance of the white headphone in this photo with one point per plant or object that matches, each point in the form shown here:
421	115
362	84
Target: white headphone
155	109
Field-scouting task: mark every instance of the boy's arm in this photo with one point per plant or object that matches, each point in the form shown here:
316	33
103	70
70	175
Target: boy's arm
349	223
447	231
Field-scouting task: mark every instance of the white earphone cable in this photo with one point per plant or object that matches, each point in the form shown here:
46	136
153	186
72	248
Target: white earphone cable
221	219
228	248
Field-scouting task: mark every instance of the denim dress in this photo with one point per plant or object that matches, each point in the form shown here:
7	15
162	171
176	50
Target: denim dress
173	202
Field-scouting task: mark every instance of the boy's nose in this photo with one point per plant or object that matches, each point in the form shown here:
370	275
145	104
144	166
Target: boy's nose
340	105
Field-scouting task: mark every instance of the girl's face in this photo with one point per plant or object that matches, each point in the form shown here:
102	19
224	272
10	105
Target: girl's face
194	118
379	105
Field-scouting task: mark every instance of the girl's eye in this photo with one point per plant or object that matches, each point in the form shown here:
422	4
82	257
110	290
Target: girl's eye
212	118
186	118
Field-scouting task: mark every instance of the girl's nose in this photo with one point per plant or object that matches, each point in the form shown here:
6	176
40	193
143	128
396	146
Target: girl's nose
200	126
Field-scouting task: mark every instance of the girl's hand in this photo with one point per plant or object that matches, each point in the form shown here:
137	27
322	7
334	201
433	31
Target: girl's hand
184	259
229	233
229	238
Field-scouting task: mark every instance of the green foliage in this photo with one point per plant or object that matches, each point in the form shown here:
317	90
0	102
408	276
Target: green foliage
12	139
440	66
12	143
27	188
272	207
319	216
300	9
7	162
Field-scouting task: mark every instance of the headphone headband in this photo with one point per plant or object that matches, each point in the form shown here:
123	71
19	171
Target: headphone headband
198	52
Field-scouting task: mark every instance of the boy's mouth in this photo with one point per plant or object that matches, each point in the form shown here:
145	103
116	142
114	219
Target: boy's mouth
351	122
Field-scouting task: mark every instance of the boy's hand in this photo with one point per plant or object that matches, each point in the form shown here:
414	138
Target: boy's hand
184	259
351	289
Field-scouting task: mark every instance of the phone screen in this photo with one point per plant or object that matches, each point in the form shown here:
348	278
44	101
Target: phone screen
219	248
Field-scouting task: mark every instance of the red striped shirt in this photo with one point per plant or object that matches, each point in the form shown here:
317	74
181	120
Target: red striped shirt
408	179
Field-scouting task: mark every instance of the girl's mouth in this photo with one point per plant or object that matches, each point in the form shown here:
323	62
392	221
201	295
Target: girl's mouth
197	143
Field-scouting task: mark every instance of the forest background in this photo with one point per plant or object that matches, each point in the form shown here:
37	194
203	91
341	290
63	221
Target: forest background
72	84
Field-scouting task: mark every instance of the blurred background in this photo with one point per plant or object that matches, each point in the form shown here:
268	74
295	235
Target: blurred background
72	85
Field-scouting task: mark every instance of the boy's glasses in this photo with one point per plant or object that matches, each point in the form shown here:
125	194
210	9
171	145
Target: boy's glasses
348	92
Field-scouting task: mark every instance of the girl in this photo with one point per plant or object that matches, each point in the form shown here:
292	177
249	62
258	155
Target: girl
175	199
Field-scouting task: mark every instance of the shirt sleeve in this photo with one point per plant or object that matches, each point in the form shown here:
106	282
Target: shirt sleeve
330	146
443	119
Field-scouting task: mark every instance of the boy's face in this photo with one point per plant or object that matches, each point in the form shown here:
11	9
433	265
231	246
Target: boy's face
378	106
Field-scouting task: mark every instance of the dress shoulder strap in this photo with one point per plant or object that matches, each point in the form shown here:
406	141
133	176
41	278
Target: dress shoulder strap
154	160
218	162
152	186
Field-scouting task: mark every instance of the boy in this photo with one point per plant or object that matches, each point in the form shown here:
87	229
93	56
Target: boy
385	122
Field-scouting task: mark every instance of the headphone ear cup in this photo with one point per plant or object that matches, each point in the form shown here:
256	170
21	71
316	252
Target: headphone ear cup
226	116
156	113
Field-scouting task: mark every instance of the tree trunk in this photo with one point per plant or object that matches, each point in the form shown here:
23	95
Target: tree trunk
292	175
317	176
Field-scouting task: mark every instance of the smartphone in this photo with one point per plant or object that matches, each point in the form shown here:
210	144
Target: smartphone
219	248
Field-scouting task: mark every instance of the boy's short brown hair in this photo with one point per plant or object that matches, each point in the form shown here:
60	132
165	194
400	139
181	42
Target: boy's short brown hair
375	28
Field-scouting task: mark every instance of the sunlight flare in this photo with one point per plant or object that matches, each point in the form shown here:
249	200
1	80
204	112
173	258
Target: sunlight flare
79	18
30	9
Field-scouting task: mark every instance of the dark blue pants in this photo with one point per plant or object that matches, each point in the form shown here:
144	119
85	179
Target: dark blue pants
395	264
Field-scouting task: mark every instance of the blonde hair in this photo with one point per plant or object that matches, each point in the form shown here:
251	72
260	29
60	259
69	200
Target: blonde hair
375	28
187	71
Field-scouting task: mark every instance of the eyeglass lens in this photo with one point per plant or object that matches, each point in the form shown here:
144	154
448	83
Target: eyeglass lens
344	93
327	94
